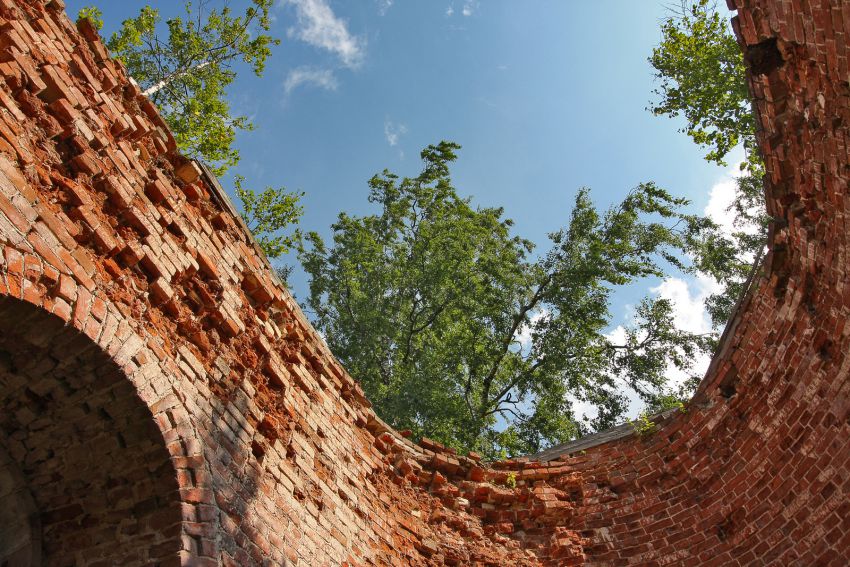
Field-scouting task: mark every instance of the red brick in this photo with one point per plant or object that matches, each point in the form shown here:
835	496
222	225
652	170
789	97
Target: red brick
189	172
67	288
86	163
162	290
309	473
157	191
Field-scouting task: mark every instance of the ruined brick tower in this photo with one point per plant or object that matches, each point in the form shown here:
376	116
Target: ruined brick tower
163	401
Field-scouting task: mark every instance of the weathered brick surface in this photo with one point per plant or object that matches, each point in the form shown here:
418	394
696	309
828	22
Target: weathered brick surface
163	400
20	523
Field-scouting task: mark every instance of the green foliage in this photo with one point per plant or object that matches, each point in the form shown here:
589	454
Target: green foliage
283	272
510	480
701	72
670	400
266	214
92	14
186	74
642	426
458	334
702	78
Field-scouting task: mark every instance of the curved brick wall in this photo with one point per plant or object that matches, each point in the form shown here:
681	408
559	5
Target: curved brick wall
163	400
94	462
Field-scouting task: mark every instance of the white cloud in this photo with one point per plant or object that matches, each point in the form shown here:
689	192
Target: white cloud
689	313
320	27
688	298
323	78
393	132
384	6
469	7
617	335
582	410
450	11
523	337
720	197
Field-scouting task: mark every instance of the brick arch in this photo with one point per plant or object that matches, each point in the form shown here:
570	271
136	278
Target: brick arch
93	460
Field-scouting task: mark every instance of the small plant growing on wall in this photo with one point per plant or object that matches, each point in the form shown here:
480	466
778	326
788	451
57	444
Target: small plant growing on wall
510	481
642	426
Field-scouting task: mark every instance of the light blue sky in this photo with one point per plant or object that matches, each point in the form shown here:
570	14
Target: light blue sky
544	96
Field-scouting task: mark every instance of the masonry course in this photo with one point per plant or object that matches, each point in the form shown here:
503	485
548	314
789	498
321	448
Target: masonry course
163	400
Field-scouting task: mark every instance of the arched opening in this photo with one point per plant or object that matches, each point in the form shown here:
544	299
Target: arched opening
83	465
20	526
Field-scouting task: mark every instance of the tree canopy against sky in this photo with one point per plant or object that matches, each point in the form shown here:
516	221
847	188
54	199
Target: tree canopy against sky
325	109
701	74
514	83
187	71
459	334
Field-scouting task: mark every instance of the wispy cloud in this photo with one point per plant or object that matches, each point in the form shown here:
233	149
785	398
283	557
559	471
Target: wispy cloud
468	8
320	27
384	6
393	132
720	200
688	297
300	76
689	314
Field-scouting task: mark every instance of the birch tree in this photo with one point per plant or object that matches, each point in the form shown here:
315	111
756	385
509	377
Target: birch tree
185	65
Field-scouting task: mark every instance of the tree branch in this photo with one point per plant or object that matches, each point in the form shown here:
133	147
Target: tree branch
206	57
508	340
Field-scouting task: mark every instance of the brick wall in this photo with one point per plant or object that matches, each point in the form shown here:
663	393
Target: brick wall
20	522
165	402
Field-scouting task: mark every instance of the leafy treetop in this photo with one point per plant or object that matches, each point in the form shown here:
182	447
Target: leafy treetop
457	333
702	77
267	213
186	74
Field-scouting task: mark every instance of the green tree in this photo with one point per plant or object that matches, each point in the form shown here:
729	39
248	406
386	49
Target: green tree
701	78
457	333
92	14
186	72
268	213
